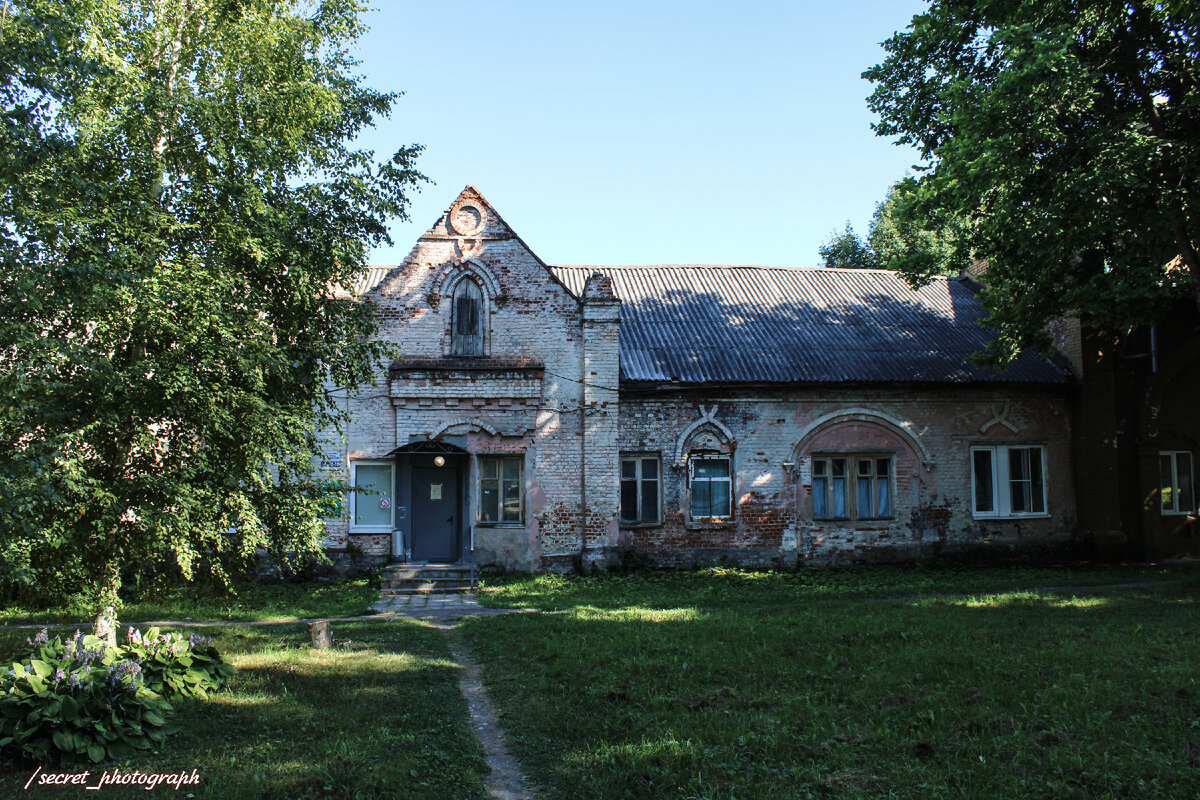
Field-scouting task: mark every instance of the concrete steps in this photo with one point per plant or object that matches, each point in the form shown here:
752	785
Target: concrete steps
402	579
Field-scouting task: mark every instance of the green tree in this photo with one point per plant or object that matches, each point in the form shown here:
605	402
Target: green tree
846	250
1065	135
180	197
916	238
905	234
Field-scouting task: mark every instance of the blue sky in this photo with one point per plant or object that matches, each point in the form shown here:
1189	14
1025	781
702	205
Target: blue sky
641	132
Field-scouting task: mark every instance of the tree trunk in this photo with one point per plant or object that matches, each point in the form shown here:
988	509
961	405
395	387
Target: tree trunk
106	621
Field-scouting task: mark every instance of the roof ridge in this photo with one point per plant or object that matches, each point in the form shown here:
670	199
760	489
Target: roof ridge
676	266
762	267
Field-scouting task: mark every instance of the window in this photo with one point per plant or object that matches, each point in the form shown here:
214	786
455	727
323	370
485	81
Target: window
1008	481
1178	482
466	324
500	489
712	488
852	486
371	500
639	489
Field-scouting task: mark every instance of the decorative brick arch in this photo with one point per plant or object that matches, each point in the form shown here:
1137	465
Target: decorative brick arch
707	420
446	283
473	424
454	271
900	428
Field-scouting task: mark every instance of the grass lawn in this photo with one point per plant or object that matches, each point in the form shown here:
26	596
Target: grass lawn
724	684
249	600
378	716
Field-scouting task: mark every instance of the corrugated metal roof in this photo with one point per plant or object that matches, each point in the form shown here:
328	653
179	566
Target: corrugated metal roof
364	282
700	323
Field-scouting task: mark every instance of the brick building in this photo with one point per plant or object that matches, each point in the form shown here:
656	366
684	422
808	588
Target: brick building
1137	432
542	415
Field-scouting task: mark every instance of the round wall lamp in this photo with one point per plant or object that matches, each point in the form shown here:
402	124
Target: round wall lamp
439	461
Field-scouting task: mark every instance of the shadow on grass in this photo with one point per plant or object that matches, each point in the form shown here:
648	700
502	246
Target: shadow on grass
249	600
720	586
1011	697
378	716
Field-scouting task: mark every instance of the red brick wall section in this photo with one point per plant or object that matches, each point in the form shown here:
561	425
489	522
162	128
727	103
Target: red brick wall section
572	423
529	316
927	432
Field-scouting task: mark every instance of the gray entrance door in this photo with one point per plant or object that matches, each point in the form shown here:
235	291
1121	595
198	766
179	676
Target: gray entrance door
435	514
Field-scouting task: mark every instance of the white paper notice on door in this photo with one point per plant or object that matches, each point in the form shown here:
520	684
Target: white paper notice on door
435	491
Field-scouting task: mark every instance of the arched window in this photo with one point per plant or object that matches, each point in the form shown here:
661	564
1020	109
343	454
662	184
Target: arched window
467	323
709	452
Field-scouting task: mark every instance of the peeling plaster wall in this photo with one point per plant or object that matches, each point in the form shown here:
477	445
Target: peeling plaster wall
537	399
548	388
774	438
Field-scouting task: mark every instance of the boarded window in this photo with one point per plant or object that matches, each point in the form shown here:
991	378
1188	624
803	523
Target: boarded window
467	326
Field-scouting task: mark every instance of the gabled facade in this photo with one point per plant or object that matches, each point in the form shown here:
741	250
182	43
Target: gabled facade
543	415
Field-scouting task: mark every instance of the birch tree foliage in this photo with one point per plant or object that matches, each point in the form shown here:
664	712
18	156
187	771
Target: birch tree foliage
1065	135
180	193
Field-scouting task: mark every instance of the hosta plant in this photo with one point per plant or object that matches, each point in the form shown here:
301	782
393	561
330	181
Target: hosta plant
81	699
174	664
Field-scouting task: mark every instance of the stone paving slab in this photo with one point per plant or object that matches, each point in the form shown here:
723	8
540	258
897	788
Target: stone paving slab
436	605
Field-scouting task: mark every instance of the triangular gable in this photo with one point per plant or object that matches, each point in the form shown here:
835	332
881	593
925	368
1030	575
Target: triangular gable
470	216
469	222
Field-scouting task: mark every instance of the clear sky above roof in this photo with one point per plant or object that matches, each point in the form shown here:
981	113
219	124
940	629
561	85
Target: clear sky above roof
647	132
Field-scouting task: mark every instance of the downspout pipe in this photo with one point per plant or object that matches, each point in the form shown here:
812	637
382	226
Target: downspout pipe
1153	349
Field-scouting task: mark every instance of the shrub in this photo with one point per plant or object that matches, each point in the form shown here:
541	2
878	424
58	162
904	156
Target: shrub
176	665
82	699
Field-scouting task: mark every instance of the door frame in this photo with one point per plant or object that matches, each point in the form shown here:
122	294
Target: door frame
449	468
423	454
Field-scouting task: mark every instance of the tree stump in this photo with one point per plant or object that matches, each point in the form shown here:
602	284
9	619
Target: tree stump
321	634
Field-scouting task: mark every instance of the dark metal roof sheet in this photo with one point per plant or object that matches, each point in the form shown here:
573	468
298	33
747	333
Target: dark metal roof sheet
722	324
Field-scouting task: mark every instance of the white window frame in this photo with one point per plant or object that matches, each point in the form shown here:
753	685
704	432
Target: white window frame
709	456
1002	498
1175	510
353	500
638	459
499	458
851	476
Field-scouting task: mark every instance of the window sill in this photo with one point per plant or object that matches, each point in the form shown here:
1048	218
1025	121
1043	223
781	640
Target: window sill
372	530
626	524
499	524
710	523
1010	517
853	519
1184	514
